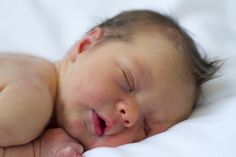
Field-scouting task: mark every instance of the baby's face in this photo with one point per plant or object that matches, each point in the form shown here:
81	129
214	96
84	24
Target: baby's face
122	92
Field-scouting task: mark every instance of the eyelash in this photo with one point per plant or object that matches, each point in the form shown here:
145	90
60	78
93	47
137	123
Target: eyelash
130	82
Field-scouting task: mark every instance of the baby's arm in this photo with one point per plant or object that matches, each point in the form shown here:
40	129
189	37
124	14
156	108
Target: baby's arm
53	143
25	109
18	151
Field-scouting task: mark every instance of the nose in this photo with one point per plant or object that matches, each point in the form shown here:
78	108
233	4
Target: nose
129	113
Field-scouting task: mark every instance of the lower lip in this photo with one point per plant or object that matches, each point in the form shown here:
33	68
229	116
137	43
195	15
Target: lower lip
97	126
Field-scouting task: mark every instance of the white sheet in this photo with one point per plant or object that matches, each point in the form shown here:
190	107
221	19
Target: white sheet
48	28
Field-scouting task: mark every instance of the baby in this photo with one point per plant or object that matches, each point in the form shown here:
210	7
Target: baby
131	77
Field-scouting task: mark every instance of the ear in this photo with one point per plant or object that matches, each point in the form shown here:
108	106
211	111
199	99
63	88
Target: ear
88	42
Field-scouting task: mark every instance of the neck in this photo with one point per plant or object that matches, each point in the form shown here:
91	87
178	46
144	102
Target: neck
61	67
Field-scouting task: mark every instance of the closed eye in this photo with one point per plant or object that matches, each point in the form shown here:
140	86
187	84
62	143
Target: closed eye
129	78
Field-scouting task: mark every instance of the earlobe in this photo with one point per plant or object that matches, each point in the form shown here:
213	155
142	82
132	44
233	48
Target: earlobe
87	42
90	39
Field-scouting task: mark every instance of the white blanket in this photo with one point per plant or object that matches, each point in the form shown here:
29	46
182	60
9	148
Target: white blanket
48	28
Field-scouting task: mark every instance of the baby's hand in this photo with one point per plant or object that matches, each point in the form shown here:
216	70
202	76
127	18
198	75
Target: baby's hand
57	143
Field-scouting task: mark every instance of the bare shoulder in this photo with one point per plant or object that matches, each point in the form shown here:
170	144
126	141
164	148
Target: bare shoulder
27	69
28	90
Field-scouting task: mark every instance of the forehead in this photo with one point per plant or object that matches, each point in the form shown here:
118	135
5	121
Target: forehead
154	55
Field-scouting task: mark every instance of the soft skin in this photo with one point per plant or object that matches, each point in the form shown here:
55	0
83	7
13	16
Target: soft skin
53	143
137	87
27	94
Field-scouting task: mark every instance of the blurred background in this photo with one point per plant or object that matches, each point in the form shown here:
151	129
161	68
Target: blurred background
48	28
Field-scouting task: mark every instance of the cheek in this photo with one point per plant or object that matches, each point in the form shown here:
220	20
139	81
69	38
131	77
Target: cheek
95	89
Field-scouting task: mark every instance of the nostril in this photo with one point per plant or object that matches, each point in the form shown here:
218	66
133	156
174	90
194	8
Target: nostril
126	121
122	111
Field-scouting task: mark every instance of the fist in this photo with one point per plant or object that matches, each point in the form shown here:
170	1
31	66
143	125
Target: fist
57	143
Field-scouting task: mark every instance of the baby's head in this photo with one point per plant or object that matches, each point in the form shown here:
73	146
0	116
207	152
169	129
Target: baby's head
131	77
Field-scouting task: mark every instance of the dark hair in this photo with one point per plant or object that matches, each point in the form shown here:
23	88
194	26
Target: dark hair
126	24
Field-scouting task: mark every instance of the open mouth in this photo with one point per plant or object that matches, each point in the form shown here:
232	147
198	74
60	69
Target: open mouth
99	124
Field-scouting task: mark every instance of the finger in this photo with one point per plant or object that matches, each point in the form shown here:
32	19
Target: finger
67	152
70	150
